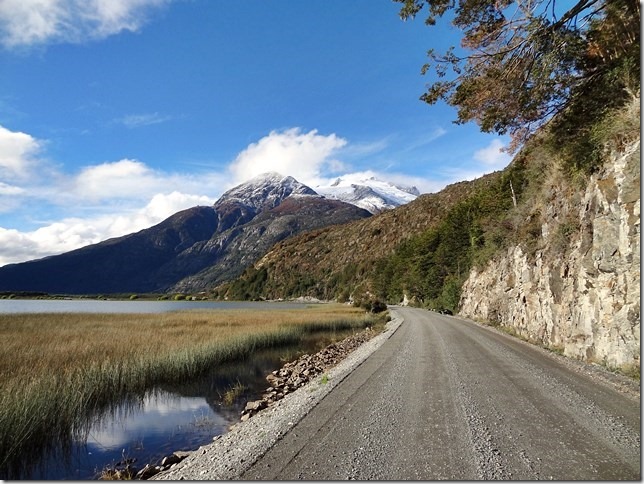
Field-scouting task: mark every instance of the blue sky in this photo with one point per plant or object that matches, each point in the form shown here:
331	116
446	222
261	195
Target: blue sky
114	114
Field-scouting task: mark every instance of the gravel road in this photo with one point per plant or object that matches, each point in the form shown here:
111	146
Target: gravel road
438	397
444	398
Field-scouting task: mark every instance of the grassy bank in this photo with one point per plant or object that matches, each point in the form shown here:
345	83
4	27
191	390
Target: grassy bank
59	370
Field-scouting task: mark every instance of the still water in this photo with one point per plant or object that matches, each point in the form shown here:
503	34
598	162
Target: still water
165	419
97	306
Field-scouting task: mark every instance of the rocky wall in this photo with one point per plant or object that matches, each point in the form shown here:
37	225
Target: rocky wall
579	292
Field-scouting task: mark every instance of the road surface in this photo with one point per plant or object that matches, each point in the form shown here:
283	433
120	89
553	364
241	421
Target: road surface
446	399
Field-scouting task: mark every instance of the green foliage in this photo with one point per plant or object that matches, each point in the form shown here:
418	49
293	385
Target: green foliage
248	287
521	63
432	266
372	305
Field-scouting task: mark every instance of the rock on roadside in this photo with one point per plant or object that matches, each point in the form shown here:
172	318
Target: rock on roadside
298	373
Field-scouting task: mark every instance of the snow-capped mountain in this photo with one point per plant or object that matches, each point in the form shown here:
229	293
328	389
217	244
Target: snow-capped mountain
265	191
368	192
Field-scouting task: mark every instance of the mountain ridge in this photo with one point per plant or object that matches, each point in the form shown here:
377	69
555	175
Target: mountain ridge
188	242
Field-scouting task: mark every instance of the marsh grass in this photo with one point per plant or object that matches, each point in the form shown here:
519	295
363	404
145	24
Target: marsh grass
233	393
60	371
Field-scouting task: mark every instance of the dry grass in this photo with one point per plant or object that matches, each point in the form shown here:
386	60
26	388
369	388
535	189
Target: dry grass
59	370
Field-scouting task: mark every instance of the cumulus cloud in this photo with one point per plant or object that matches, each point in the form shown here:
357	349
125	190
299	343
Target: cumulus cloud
120	179
305	156
30	22
17	153
160	207
73	232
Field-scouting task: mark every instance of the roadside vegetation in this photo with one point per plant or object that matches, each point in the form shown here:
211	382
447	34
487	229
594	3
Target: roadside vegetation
58	371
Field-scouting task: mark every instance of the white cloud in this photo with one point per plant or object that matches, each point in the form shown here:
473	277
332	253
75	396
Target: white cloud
6	189
30	22
160	207
119	179
492	155
17	153
304	156
485	160
424	139
74	232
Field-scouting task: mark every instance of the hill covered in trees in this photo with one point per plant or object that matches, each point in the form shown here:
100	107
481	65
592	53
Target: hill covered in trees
425	250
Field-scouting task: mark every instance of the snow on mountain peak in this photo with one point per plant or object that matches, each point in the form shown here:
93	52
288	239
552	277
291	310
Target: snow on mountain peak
368	192
265	191
363	190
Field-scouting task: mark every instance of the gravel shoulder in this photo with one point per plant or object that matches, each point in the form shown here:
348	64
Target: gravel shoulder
231	454
445	398
438	398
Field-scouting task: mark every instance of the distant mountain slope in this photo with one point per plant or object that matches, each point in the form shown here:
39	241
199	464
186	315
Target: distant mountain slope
239	247
133	263
325	262
368	192
220	240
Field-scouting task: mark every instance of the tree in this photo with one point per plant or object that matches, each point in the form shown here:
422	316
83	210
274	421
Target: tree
521	62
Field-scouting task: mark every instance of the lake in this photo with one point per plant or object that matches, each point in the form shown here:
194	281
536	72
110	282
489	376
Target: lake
99	306
164	419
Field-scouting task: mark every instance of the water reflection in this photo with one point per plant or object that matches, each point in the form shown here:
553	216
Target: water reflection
166	419
161	416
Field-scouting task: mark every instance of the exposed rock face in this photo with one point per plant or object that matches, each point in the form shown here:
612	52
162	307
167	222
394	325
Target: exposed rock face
238	247
584	296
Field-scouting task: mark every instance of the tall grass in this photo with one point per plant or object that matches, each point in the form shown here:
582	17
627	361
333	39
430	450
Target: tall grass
58	371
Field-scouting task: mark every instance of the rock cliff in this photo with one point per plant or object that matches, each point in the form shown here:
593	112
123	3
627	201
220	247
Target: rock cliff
578	289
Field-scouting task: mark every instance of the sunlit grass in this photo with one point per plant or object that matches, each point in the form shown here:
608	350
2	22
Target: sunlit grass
59	370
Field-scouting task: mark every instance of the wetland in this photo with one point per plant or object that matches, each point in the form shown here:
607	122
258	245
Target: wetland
82	391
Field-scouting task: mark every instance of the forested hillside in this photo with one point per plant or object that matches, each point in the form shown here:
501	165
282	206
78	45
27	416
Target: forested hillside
424	251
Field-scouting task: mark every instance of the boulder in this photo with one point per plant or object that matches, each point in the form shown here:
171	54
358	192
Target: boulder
255	406
147	472
171	459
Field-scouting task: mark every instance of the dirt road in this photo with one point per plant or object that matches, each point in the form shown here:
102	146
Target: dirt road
446	399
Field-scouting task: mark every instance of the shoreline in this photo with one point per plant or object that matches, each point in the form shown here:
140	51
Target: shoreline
234	452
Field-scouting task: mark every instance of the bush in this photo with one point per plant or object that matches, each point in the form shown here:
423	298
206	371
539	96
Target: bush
378	306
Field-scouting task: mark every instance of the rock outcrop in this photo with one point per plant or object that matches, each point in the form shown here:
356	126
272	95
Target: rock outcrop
579	290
